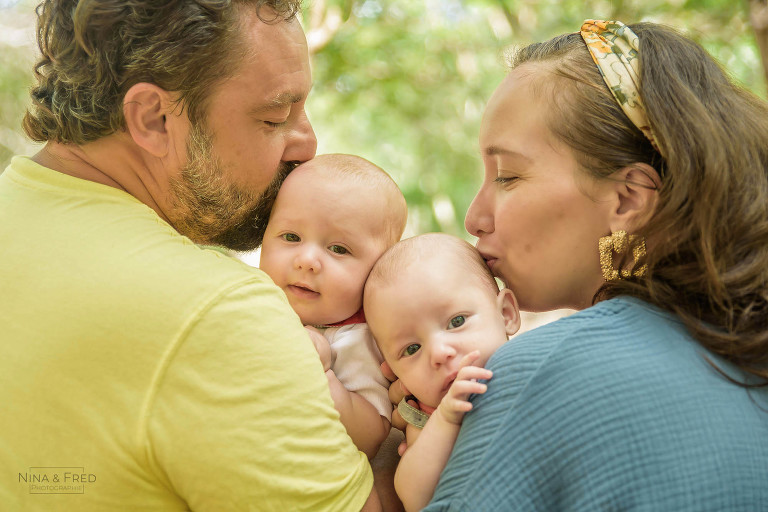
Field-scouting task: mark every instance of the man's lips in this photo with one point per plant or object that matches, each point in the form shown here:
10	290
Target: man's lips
302	291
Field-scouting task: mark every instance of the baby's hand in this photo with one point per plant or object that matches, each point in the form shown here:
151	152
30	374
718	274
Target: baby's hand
454	404
321	345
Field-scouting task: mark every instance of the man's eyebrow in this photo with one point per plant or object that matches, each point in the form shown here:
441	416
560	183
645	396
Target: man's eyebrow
497	150
282	100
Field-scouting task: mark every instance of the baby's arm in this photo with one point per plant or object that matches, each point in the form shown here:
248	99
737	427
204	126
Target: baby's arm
321	345
364	424
420	467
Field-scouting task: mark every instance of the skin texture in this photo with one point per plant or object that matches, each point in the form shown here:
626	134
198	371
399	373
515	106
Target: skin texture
437	341
536	216
255	122
323	237
319	248
424	328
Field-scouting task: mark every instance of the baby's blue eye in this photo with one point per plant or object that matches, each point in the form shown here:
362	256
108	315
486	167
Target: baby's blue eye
411	349
457	321
291	237
338	249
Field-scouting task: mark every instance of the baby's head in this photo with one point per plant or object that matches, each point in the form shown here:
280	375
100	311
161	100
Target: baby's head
333	217
429	301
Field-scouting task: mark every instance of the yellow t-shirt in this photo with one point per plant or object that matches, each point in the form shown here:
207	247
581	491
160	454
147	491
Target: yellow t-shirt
141	372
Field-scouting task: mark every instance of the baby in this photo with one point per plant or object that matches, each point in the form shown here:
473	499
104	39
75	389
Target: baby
333	217
437	315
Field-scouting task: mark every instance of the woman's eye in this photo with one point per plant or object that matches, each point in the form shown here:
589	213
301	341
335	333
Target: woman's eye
273	124
456	321
503	180
338	249
411	349
291	237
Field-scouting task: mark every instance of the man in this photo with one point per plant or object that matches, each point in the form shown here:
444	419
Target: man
141	371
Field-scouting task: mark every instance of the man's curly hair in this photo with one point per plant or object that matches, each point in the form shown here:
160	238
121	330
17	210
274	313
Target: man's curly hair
93	51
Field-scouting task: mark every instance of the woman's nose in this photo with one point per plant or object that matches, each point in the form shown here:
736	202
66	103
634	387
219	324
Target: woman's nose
479	219
308	259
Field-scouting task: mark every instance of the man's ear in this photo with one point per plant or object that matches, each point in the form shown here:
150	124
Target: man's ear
636	193
507	304
145	107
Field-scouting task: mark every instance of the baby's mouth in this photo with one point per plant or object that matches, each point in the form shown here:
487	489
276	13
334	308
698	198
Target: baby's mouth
449	380
302	290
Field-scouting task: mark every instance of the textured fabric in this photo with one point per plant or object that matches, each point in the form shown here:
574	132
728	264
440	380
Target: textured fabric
356	362
614	48
412	415
172	377
613	408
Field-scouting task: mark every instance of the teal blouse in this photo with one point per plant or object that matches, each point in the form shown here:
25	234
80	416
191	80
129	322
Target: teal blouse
614	408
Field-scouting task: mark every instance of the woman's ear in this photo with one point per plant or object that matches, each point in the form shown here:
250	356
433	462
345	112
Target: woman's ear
507	304
145	107
637	191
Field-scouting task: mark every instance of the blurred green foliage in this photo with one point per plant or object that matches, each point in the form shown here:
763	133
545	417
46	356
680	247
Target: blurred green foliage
404	82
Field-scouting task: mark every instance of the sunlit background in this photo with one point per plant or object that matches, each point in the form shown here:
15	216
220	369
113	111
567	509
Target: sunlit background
403	83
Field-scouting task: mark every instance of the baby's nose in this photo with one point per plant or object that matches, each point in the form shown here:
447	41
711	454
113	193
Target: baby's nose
308	259
441	353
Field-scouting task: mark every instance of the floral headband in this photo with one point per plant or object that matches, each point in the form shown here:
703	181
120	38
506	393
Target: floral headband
614	48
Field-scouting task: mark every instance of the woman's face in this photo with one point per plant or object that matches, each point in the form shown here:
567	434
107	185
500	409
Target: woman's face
536	226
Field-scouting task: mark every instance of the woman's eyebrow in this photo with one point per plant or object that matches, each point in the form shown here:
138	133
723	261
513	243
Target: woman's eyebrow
497	150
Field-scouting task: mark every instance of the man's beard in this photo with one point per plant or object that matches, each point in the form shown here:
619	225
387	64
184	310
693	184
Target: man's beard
212	211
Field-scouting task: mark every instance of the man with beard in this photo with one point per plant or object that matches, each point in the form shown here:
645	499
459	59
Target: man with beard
140	370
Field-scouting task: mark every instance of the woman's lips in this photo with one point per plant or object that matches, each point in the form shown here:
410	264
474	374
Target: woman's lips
302	291
489	260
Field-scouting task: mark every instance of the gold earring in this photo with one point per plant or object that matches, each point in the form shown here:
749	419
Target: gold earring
619	242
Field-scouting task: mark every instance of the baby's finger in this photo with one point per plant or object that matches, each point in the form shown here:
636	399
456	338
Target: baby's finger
397	421
386	370
397	392
469	358
453	410
465	388
474	372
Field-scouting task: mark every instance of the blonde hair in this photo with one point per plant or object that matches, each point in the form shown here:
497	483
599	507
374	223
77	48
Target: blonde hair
430	246
360	171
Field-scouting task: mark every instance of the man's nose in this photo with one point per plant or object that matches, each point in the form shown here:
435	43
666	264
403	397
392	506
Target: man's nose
301	143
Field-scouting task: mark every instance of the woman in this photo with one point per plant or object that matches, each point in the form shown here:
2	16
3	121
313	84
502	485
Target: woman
624	170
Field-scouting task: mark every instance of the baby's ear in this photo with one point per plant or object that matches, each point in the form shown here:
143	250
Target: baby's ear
508	308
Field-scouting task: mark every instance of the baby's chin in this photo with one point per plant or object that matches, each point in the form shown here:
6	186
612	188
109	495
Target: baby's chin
313	318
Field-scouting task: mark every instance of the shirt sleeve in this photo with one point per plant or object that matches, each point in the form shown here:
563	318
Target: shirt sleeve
242	418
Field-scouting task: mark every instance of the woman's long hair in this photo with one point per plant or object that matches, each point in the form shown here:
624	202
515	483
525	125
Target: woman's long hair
708	238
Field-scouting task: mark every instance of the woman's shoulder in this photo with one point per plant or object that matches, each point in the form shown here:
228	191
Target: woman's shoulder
619	331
